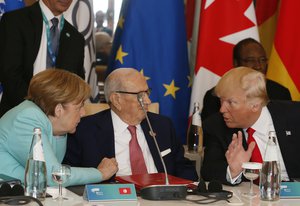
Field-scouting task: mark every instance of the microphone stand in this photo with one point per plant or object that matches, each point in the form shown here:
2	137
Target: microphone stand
160	192
152	134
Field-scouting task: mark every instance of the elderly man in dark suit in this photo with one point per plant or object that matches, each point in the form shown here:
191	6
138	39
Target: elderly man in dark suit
244	105
107	133
26	47
249	53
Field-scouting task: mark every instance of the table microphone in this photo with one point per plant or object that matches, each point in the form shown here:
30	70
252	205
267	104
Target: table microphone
160	192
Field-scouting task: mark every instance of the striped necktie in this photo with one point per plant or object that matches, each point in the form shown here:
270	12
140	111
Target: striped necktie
54	39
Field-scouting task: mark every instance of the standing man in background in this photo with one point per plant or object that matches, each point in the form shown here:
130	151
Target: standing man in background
31	41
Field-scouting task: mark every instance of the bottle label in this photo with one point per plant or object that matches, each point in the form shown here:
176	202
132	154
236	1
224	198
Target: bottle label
271	154
38	153
196	119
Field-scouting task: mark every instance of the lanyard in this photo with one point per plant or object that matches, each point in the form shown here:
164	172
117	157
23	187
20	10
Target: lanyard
49	43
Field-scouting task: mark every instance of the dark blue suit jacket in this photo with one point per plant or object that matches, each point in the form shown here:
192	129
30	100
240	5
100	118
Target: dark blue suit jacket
94	140
286	118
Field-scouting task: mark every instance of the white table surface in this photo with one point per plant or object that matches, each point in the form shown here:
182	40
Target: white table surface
237	199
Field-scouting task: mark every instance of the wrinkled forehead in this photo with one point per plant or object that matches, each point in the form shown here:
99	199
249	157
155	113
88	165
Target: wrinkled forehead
252	50
135	83
231	93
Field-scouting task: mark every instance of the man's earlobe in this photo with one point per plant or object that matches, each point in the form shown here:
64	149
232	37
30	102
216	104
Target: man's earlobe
115	101
255	107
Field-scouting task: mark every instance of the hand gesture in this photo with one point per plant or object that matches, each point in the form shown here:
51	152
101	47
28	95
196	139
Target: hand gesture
108	167
236	154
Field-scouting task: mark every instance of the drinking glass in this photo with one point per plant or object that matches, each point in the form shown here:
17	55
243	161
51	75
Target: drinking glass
251	171
60	175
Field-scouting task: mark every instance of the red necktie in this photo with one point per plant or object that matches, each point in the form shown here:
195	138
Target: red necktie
256	156
137	161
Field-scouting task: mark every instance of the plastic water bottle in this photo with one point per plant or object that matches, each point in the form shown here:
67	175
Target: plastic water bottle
194	140
35	171
270	177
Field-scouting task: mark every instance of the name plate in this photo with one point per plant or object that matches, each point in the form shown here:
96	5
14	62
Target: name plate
290	190
109	192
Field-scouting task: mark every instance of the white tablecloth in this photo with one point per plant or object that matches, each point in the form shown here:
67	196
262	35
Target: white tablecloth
238	199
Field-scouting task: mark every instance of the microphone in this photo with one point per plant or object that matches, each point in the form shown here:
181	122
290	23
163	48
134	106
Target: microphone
160	192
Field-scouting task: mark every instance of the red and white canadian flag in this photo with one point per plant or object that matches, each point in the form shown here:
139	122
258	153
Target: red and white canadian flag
124	191
223	23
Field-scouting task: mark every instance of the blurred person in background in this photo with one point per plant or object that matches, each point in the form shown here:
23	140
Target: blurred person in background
100	18
103	47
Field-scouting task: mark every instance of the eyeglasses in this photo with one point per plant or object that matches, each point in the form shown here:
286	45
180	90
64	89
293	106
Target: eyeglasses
252	60
141	93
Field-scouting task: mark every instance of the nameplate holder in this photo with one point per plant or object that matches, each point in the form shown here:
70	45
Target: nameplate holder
109	192
290	190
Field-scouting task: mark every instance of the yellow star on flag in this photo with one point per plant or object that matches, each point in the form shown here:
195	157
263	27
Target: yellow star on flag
142	72
171	89
190	81
121	22
120	55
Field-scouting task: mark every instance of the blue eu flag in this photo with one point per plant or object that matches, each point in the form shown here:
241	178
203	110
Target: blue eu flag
10	5
151	38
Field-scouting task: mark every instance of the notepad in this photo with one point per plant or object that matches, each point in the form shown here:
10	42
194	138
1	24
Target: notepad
143	180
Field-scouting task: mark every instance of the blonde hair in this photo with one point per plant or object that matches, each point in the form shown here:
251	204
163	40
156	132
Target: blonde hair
250	81
51	87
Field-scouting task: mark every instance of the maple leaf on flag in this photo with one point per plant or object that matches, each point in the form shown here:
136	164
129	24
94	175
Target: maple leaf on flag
222	25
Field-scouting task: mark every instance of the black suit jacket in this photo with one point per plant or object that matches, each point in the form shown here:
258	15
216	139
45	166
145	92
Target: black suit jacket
211	103
20	38
94	140
286	118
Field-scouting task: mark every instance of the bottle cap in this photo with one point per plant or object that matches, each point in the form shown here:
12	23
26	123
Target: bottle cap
252	165
37	130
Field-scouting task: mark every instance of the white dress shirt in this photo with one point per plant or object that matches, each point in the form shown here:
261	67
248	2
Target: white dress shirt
262	127
41	58
122	138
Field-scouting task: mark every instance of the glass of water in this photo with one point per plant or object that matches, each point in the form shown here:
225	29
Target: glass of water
251	171
60	175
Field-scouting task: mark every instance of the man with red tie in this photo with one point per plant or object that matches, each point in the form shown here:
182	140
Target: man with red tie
239	133
122	132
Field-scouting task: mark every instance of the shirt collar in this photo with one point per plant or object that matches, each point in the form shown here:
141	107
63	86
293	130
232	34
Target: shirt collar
119	125
264	123
48	13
